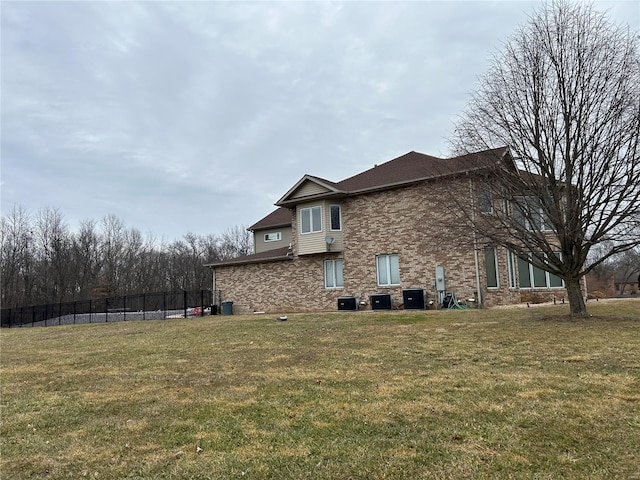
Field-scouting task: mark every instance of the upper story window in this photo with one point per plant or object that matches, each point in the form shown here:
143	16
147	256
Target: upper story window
388	270
311	219
485	200
272	236
336	217
529	213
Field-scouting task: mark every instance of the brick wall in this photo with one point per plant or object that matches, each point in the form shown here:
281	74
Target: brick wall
416	222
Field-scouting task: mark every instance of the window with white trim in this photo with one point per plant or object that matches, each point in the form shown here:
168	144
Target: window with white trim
272	236
532	276
491	266
511	270
388	267
335	212
333	274
311	219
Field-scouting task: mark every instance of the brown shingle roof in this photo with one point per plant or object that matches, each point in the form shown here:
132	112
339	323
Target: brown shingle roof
414	166
280	217
275	255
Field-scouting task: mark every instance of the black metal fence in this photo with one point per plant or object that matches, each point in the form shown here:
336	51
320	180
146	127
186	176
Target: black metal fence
143	306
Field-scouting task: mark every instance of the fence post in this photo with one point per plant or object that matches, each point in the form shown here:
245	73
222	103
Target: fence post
164	305
124	308
144	306
184	302
106	310
202	303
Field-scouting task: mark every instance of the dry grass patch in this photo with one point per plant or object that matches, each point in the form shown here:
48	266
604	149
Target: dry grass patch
526	393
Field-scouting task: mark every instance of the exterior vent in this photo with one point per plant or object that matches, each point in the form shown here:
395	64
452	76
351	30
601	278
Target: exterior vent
381	301
347	303
413	299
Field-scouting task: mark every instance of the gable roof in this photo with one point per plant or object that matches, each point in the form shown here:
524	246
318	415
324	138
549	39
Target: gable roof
409	168
322	186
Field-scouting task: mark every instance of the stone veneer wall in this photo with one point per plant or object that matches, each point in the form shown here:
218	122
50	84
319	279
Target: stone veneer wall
414	222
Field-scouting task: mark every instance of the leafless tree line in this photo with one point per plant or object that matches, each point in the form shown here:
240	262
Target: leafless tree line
619	275
42	261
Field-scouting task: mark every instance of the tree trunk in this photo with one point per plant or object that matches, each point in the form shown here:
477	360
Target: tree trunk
577	302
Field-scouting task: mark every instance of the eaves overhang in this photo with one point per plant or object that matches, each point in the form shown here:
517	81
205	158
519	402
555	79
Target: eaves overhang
269	227
330	188
276	255
310	198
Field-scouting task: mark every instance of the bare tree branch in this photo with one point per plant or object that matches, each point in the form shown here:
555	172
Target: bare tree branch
564	95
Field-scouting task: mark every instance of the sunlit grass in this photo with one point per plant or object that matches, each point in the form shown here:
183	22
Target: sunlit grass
522	393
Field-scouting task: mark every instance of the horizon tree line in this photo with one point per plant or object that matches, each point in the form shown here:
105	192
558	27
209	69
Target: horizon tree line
43	261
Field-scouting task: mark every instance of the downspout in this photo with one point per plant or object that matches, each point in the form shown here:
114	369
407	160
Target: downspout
213	286
475	243
475	252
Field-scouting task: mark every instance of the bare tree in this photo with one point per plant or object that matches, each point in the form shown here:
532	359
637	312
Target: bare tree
627	269
53	250
16	261
236	242
42	261
111	256
564	95
86	259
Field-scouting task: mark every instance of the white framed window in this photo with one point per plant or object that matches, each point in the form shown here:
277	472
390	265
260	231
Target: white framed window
335	212
532	276
333	274
491	266
388	267
311	219
272	236
511	270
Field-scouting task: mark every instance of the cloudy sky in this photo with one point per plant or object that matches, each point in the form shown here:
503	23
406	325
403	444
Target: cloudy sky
196	117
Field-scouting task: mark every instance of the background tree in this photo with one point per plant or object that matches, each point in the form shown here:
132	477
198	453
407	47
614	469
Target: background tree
86	259
627	269
54	250
16	259
42	261
235	242
564	95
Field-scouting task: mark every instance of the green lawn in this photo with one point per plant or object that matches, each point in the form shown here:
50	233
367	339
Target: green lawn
503	393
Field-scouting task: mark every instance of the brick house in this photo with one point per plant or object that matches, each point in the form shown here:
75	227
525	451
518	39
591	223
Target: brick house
379	239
